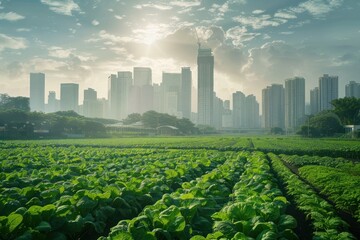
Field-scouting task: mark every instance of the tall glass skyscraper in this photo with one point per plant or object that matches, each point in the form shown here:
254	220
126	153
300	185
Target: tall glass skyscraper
205	61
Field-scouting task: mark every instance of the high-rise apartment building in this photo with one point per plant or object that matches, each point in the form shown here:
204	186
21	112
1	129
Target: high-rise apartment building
273	108
125	82
186	85
314	101
252	119
37	92
171	87
239	109
294	102
69	97
90	104
352	89
142	76
205	62
218	112
53	104
328	91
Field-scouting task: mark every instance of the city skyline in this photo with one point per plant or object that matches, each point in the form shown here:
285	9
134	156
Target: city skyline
254	44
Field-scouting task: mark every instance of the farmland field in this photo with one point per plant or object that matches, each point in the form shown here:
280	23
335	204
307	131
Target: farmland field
217	187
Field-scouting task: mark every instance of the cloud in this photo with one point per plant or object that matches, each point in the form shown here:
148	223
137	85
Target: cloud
59	52
23	30
258	11
11	16
119	17
11	42
95	22
258	22
285	15
186	3
317	8
155	6
239	35
64	7
15	70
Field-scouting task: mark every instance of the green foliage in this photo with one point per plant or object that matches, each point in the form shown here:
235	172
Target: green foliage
132	118
14	103
324	124
348	110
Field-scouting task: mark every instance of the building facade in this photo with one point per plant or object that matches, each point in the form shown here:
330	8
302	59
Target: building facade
273	107
205	62
69	97
328	91
37	92
352	89
294	103
186	85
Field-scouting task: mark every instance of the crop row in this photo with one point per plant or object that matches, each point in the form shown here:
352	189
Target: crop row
325	222
83	197
257	209
188	210
340	187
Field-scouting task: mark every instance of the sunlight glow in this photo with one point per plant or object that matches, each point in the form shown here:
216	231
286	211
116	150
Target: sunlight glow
150	34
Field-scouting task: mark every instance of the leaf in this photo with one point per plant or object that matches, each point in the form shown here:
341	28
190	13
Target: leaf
198	237
286	222
13	221
172	219
121	236
43	227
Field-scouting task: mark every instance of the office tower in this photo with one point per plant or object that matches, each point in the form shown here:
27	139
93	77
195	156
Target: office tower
186	85
273	108
142	76
171	87
314	101
328	91
252	119
205	62
53	104
294	102
69	97
239	110
352	89
141	90
114	97
125	82
90	104
37	92
217	112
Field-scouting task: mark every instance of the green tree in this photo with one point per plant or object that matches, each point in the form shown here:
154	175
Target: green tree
348	110
132	118
19	103
324	124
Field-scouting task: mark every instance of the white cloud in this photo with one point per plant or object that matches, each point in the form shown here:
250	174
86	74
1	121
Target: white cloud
65	7
239	35
119	17
287	33
112	39
11	42
258	11
59	52
258	22
285	15
11	16
317	8
95	22
186	3
155	6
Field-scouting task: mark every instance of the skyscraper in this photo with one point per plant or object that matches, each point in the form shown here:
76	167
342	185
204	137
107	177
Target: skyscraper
328	91
218	112
352	89
171	87
273	109
314	101
142	76
239	109
69	97
90	104
252	119
37	92
205	62
125	82
294	102
142	91
186	85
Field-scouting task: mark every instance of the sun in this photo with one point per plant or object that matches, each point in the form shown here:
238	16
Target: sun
149	34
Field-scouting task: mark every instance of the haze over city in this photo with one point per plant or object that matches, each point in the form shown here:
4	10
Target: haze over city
255	43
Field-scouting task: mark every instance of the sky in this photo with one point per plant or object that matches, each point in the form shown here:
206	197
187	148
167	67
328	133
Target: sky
255	42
